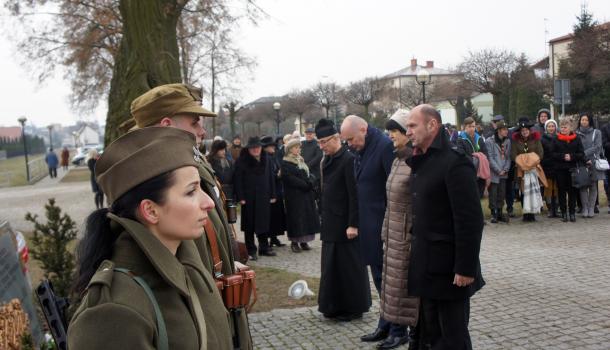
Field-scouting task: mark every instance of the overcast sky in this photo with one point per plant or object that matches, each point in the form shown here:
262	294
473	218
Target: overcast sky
306	41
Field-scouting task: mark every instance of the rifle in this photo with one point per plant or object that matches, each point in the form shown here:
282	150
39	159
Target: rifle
54	308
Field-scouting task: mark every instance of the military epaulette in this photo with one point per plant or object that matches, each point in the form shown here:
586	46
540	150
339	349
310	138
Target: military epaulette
103	275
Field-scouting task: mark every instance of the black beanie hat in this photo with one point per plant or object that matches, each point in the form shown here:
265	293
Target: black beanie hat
325	128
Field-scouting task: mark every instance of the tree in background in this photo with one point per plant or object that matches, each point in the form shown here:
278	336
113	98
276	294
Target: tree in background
327	97
233	108
363	93
115	48
50	246
588	65
299	102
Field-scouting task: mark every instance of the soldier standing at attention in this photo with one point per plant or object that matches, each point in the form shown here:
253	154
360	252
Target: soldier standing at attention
139	271
179	106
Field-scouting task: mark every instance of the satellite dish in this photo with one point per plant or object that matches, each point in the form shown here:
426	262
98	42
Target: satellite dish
299	289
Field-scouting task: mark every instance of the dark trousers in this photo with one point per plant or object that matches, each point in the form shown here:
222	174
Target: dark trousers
497	194
564	183
263	241
52	172
606	187
481	185
510	193
445	324
394	329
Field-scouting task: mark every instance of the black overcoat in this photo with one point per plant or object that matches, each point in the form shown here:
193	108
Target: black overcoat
253	182
301	214
548	163
447	222
372	167
311	152
339	196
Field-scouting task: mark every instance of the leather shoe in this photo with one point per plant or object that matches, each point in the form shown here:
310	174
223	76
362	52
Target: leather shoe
305	246
377	335
393	342
276	242
267	253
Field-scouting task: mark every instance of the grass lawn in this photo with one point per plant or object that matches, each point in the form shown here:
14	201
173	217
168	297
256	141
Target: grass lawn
77	175
16	167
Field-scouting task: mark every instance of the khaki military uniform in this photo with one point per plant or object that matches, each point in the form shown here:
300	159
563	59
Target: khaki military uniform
117	314
219	220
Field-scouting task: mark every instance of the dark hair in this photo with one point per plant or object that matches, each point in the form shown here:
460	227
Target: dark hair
588	115
392	124
430	112
469	120
98	241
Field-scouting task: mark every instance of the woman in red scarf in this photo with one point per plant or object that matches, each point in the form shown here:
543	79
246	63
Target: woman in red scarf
567	152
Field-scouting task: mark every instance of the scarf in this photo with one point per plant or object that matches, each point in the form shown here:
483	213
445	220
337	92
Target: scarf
566	138
299	161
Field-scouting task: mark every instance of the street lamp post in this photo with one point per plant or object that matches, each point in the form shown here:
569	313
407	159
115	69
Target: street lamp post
423	78
50	127
75	137
22	121
276	107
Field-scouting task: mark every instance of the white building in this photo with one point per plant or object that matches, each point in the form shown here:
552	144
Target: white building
86	135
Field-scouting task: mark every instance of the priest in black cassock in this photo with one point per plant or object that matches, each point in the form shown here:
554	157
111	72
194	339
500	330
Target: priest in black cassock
344	285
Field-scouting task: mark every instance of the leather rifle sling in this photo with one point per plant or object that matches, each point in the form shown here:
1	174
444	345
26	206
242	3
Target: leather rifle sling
210	232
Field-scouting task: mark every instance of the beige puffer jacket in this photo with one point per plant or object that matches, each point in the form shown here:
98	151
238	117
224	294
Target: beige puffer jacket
396	306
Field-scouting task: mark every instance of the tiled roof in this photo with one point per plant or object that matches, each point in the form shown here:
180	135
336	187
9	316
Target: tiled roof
11	132
567	37
414	70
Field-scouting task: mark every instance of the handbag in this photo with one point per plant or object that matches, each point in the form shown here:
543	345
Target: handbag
581	177
601	163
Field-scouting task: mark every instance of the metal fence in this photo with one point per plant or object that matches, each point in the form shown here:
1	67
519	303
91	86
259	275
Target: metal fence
38	170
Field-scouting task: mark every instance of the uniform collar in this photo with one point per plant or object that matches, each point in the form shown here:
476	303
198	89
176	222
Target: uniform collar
168	266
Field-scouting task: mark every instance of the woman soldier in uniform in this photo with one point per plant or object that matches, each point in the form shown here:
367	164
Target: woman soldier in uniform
139	272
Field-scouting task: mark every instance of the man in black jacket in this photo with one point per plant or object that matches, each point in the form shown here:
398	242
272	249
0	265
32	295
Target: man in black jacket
447	226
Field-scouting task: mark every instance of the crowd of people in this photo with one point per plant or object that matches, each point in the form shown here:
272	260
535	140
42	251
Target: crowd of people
160	261
548	163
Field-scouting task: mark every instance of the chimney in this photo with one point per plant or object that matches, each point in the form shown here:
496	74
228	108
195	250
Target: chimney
413	63
429	64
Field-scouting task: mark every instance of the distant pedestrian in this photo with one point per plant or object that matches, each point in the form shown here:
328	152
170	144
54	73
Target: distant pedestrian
302	218
447	226
98	194
52	163
344	292
65	158
592	144
498	147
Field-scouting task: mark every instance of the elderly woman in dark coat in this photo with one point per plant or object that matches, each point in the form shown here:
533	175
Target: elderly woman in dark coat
301	213
548	165
254	187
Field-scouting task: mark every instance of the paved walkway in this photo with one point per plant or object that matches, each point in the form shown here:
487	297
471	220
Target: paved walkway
548	287
548	283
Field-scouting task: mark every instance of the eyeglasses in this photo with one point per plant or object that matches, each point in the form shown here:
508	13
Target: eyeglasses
325	140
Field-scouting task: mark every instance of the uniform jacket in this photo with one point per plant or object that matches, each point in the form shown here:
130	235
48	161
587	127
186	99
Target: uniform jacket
520	146
218	218
499	157
301	214
312	154
254	182
339	196
396	305
447	222
372	168
115	313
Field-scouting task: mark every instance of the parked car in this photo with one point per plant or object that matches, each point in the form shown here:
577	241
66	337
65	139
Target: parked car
81	153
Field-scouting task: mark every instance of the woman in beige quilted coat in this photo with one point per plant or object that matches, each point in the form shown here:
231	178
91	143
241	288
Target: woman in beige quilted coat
396	305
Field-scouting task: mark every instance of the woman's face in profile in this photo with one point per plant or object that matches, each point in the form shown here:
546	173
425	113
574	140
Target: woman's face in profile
186	207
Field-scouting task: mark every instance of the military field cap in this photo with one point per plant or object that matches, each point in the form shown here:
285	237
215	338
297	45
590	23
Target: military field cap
166	101
143	154
501	125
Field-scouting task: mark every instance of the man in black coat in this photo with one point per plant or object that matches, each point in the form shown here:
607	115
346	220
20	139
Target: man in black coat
447	226
344	292
311	153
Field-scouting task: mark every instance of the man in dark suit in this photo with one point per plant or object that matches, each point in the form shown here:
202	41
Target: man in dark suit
374	154
447	226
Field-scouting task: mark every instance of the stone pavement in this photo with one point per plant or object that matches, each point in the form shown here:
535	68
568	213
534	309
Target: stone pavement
548	287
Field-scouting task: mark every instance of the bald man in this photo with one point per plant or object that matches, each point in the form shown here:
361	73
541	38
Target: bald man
374	154
447	226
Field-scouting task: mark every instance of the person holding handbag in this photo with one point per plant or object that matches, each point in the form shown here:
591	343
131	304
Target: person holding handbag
591	139
567	154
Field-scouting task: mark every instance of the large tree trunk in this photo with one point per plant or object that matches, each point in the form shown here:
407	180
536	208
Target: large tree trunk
148	56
